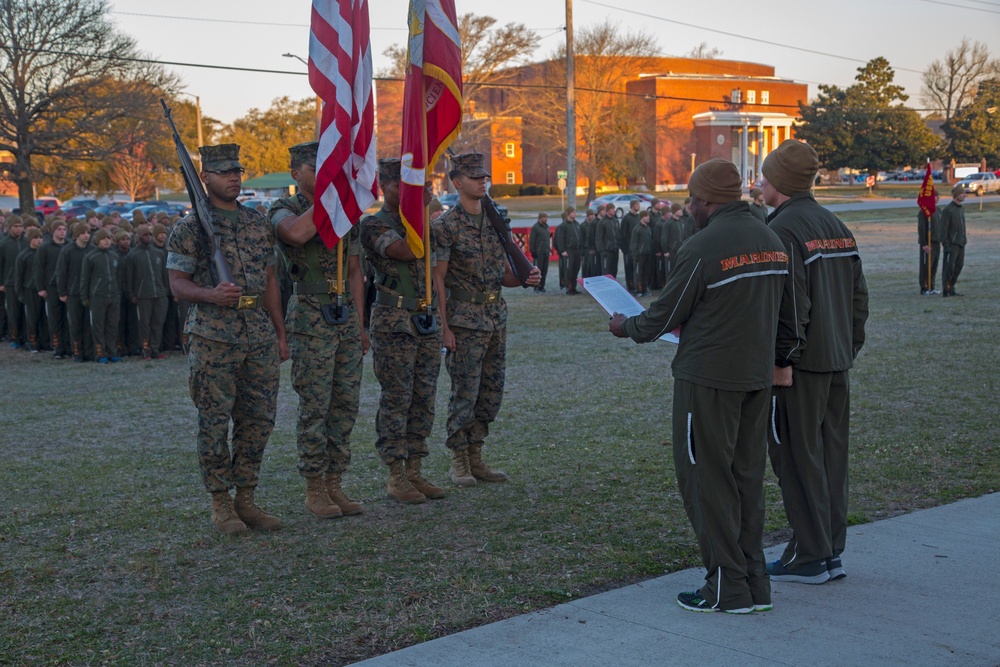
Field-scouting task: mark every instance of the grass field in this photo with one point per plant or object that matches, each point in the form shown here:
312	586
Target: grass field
107	555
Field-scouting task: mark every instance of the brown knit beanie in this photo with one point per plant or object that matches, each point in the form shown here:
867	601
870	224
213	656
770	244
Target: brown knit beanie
142	230
79	228
675	207
957	190
716	181
138	216
100	235
120	234
791	167
159	229
33	233
756	192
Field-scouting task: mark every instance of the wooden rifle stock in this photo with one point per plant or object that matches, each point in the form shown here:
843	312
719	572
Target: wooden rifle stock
218	267
519	263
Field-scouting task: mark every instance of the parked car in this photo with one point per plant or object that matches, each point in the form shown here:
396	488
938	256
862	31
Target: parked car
623	201
448	199
980	183
266	202
108	208
77	210
46	205
85	204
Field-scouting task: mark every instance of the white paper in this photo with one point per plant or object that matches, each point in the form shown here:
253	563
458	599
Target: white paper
614	298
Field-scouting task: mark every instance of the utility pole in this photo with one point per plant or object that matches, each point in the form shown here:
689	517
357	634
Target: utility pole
319	101
570	108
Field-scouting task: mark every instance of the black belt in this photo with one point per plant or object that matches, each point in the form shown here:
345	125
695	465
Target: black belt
326	287
473	297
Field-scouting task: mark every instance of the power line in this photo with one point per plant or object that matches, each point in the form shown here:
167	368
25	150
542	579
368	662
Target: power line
271	24
484	84
971	9
739	36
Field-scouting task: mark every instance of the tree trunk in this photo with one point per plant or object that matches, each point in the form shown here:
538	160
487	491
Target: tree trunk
25	184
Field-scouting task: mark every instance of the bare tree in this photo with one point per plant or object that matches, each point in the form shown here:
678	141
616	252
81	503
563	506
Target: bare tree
608	122
132	171
704	52
949	85
66	78
487	52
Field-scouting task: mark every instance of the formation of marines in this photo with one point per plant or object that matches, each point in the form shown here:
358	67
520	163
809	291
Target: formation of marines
94	289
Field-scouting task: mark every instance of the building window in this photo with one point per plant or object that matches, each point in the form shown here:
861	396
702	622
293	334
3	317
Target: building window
765	97
751	97
509	149
511	176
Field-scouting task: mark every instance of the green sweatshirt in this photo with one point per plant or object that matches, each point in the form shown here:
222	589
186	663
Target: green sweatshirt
45	264
724	293
953	225
146	272
102	275
825	302
69	269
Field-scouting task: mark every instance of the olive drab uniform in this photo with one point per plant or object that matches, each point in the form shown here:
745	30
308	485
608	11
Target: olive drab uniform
477	315
953	238
326	358
27	293
101	288
724	292
10	248
540	245
233	354
628	224
46	263
569	238
820	331
69	281
407	360
641	249
607	244
146	281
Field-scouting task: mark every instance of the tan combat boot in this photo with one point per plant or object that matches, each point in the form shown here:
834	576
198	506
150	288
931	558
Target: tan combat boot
347	506
480	470
400	487
224	516
413	465
460	472
252	515
318	500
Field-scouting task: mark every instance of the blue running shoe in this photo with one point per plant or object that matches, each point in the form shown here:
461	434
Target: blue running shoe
810	573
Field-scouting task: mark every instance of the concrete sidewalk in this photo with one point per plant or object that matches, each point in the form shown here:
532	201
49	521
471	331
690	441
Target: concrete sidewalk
922	589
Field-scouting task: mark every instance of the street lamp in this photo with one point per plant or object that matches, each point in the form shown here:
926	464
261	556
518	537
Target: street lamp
197	117
319	102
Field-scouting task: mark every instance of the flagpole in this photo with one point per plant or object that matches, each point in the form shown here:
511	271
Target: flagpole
427	211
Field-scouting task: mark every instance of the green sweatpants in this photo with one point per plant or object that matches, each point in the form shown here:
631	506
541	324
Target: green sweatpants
807	442
719	456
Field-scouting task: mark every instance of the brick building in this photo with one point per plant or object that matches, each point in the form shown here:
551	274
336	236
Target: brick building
697	109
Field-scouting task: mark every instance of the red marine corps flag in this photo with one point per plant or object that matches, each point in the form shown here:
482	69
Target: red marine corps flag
340	71
925	200
432	106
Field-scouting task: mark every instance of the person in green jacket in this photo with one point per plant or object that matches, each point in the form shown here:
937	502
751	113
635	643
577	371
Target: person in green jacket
540	244
757	205
27	292
146	282
101	287
953	239
606	241
628	223
69	278
821	329
569	243
724	293
46	262
10	248
641	249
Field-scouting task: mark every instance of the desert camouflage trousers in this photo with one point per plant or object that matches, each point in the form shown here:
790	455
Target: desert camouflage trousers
238	383
326	374
407	369
477	368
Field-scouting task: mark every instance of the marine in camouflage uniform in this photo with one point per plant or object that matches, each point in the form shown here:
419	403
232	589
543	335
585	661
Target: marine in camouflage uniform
406	353
472	268
231	331
326	355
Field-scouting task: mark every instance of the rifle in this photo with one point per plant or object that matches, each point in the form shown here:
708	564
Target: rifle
218	267
519	264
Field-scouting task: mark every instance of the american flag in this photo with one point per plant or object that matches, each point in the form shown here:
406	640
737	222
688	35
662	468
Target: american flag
432	105
340	71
